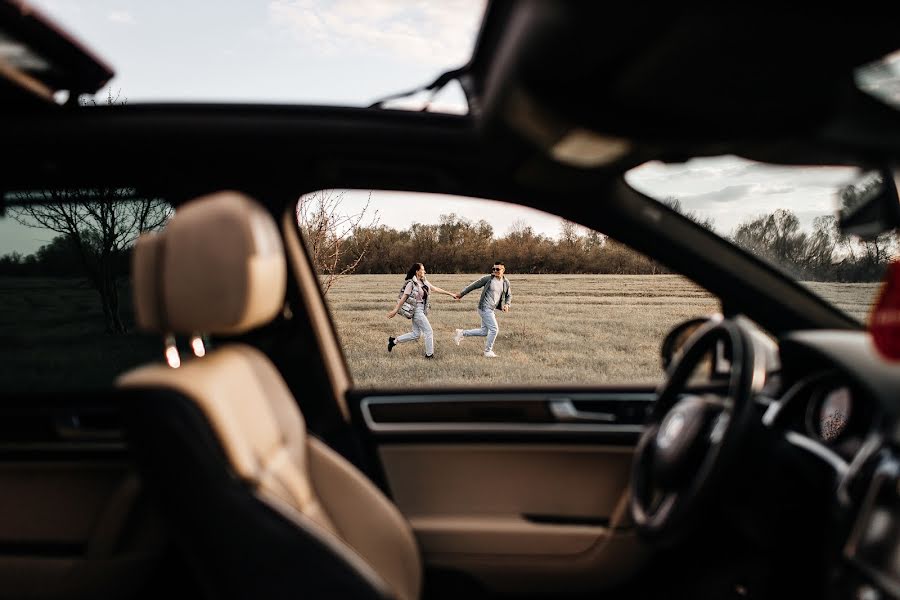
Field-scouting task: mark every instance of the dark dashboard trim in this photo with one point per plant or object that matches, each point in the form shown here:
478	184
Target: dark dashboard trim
837	463
887	473
854	354
777	408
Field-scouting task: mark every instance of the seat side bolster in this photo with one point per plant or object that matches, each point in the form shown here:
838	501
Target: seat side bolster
242	542
366	520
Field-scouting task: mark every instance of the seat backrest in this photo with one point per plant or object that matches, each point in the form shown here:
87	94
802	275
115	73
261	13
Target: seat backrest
259	504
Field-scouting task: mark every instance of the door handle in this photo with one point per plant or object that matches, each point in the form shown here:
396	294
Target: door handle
70	428
564	410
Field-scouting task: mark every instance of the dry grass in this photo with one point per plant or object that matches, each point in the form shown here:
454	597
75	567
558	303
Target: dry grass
855	299
52	337
598	329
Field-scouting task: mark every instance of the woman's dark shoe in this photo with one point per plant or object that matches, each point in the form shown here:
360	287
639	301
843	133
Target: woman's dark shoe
391	343
429	356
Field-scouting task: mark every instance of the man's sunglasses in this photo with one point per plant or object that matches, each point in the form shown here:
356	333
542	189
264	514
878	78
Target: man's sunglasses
495	269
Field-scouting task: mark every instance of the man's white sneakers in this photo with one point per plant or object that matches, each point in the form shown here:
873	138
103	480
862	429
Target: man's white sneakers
490	354
458	336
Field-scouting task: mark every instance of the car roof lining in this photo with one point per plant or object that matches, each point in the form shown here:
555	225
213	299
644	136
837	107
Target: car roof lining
680	77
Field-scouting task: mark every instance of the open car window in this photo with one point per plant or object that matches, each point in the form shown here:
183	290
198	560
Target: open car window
66	316
583	309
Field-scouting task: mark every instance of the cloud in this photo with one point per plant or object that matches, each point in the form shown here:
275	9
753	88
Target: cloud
121	16
769	190
726	194
733	190
435	33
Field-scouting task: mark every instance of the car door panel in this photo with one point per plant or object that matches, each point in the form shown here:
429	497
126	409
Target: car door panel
523	491
74	517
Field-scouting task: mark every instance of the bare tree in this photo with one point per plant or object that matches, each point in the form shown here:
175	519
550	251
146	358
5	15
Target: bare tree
878	250
336	241
675	204
109	100
568	233
99	225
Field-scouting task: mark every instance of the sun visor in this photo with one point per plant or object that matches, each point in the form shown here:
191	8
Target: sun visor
40	59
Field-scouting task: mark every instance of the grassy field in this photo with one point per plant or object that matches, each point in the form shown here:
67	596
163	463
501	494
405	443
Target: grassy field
561	329
52	336
855	299
597	329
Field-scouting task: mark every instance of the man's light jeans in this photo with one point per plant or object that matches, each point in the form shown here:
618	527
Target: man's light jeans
421	327
489	328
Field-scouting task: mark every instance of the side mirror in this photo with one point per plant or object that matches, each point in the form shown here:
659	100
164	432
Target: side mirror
677	338
870	206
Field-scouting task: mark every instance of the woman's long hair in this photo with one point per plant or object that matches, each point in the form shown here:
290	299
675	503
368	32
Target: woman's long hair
412	270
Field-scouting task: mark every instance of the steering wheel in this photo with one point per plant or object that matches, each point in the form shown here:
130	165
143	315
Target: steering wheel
691	439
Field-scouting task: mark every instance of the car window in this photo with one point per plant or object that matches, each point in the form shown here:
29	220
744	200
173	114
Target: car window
783	214
66	320
583	308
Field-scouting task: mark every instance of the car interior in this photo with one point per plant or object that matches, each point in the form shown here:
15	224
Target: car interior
237	457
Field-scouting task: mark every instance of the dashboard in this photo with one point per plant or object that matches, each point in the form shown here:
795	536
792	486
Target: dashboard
838	400
826	408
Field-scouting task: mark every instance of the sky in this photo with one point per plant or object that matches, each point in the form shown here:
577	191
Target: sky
336	52
401	209
345	52
731	190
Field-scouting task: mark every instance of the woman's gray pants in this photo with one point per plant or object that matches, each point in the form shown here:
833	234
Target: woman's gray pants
421	326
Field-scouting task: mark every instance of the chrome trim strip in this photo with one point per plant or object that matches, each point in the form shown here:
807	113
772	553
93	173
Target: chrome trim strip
869	448
476	427
564	411
521	396
839	465
771	413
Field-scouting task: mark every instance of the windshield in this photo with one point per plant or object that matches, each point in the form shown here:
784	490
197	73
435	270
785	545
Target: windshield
784	215
329	52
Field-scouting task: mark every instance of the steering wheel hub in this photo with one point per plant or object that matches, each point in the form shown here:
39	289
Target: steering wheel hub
679	441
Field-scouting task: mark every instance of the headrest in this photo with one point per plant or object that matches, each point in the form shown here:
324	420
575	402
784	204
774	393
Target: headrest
218	267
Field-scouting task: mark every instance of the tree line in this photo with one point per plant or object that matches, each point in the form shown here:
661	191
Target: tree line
822	254
458	245
96	244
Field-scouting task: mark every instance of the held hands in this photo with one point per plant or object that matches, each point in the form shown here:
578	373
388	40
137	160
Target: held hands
456	296
506	308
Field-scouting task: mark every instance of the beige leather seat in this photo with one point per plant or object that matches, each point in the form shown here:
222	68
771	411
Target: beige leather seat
262	508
